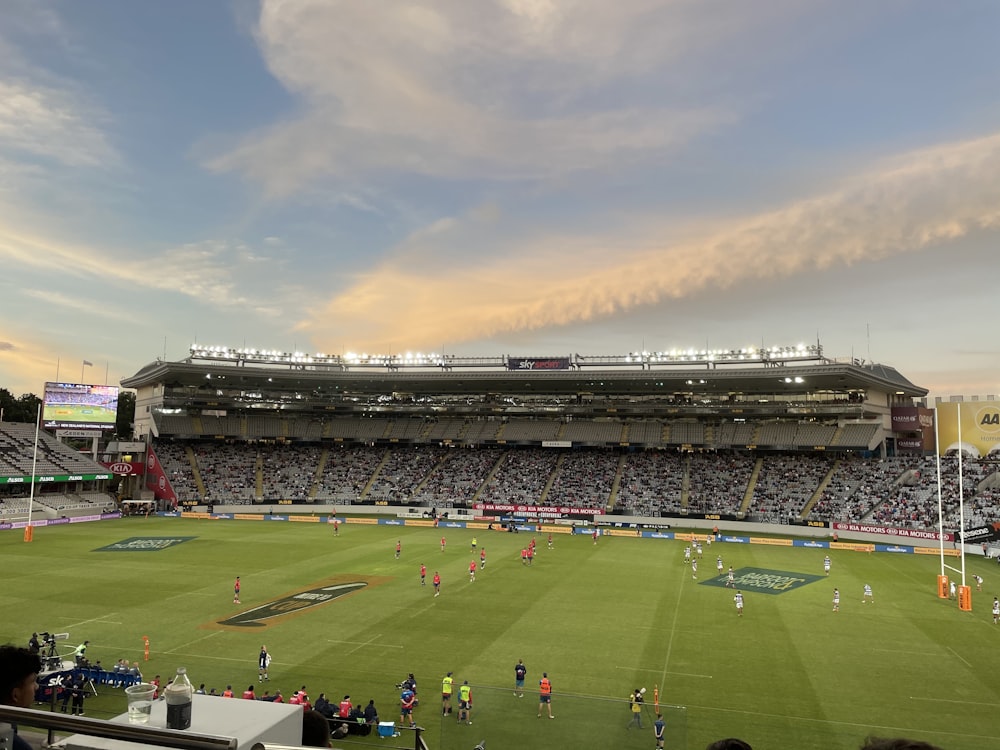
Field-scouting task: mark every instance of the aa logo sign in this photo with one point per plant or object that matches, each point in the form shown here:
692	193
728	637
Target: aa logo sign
764	581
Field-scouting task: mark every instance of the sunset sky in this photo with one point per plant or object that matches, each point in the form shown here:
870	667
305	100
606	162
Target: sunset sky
522	177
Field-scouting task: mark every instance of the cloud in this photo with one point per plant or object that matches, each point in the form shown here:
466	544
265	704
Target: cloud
915	201
222	274
52	123
6	346
497	89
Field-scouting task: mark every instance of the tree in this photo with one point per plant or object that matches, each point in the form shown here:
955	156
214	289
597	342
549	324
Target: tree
22	409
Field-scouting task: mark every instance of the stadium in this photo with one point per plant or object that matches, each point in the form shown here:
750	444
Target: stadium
628	473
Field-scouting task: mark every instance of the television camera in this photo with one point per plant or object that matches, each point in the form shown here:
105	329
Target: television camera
44	644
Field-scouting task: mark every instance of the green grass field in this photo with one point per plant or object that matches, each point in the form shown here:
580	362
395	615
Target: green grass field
601	620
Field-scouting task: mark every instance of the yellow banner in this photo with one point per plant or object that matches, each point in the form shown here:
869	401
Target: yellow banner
769	540
979	422
934	551
853	546
248	516
306	519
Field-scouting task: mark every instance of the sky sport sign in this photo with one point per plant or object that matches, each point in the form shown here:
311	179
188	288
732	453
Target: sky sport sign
145	544
764	581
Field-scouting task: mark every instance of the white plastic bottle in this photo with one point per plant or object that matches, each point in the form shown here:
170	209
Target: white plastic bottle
179	695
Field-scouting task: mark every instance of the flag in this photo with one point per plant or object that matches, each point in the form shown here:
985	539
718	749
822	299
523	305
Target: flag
87	364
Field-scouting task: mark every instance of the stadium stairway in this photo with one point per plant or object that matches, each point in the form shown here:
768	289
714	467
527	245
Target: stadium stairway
320	468
371	480
193	463
552	478
818	494
751	484
616	483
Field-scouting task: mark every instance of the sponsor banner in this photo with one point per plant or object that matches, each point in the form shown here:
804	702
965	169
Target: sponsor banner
419	522
222	516
124	468
812	524
366	521
108	516
304	519
557	443
762	581
197	514
909	445
810	543
156	478
451	524
893	548
935	551
538	510
688	536
703	516
982	533
621	532
5	526
245	516
78	433
658	535
980	426
734	539
891	531
44	478
145	544
275	518
905	419
533	363
391	522
294	604
771	541
548	529
856	547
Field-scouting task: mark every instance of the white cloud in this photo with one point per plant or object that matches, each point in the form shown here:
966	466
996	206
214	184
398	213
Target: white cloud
496	89
919	200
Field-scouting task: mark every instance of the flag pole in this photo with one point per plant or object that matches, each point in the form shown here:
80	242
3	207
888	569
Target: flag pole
29	530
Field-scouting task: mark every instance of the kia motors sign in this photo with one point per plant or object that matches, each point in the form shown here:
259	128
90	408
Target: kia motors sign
125	468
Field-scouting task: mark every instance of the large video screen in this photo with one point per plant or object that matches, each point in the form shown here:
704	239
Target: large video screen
79	406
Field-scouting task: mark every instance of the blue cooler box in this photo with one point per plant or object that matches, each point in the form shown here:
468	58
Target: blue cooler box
387	729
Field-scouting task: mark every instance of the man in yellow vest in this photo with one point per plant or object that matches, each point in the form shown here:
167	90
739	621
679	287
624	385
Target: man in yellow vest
447	688
465	703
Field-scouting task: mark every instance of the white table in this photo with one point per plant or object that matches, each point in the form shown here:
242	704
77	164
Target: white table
247	721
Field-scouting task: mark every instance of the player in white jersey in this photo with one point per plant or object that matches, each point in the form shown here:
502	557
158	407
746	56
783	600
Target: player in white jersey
836	600
687	555
694	568
996	610
718	564
697	548
739	603
826	565
731	580
952	593
868	597
979	582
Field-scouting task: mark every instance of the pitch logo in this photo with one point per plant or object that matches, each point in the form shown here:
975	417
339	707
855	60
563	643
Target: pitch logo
292	604
145	544
764	581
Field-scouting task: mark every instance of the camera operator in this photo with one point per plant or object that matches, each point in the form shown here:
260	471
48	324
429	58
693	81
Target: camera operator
33	645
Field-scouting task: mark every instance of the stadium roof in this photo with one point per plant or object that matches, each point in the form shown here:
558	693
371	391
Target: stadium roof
825	375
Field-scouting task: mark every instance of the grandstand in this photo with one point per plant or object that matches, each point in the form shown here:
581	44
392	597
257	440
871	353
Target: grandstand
67	482
782	435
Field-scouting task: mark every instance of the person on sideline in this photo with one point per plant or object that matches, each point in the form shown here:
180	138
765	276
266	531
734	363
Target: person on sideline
545	695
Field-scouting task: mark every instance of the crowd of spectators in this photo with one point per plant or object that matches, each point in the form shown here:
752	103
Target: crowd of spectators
772	487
